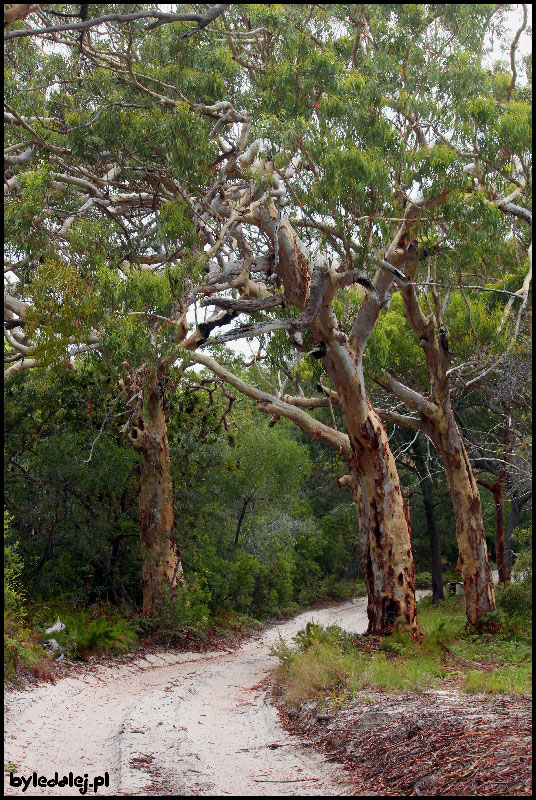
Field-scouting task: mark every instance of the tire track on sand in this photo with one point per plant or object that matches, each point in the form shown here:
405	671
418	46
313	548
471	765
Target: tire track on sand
174	723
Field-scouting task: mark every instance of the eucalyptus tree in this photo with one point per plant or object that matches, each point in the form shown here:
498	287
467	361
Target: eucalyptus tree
346	122
397	123
90	259
494	418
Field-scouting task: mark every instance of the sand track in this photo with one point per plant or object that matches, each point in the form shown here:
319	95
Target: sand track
173	724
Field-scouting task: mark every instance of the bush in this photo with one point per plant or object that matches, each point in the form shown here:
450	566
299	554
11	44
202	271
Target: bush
522	540
515	598
318	668
423	580
187	613
242	577
82	638
18	644
318	634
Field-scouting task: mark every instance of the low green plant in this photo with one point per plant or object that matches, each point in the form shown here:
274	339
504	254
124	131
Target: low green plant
82	637
329	659
314	634
515	598
316	669
510	680
379	671
19	646
423	580
492	622
186	614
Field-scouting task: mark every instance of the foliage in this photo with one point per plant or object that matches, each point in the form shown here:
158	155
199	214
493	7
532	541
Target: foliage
423	580
329	664
515	598
50	429
260	523
82	639
19	647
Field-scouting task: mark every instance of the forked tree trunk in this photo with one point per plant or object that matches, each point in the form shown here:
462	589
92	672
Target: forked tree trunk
385	548
384	541
161	568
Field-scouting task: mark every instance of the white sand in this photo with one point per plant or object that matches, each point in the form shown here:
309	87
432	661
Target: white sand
199	723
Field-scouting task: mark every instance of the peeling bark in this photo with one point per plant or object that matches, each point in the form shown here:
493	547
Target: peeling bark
439	424
384	540
385	550
161	568
470	531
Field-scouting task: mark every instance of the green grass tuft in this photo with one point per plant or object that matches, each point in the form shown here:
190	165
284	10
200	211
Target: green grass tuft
330	663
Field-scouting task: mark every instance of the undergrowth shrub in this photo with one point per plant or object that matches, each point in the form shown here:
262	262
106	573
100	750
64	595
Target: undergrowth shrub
515	598
19	646
185	614
321	667
330	660
82	637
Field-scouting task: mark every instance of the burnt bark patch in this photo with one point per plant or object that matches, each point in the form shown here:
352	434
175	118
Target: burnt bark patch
390	611
376	527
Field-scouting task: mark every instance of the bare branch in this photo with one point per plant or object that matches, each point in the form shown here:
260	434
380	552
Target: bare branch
270	404
412	398
162	19
513	54
245	306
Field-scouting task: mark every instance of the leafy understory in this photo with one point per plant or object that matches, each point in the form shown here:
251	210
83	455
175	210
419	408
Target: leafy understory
332	666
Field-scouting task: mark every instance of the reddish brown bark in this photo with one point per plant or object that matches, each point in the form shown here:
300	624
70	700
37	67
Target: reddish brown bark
497	489
438	423
470	531
385	551
160	565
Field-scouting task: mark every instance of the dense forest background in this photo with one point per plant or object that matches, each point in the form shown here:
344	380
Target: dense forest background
262	524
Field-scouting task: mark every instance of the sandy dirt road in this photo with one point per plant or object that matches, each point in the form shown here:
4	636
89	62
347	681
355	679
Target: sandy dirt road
173	724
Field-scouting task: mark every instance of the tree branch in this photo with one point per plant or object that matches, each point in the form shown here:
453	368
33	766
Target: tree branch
162	19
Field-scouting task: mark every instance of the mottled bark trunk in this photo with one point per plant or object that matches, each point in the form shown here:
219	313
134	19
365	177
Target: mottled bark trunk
439	424
160	565
386	554
500	543
497	490
470	531
385	550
